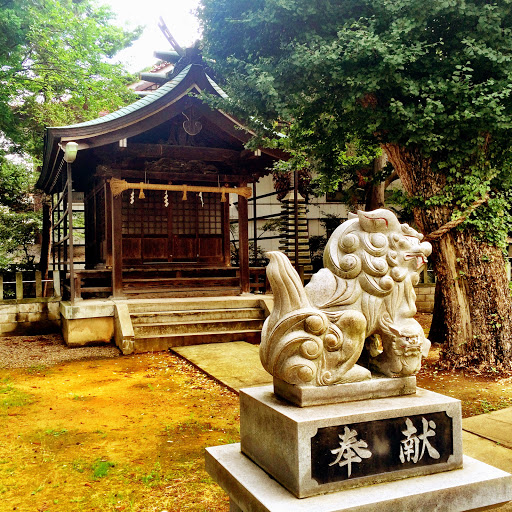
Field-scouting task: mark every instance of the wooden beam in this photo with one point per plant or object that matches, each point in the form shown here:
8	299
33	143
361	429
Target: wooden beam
243	244
178	152
119	186
175	177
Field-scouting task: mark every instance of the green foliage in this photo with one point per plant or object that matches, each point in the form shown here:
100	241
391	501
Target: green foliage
19	224
54	68
17	234
432	78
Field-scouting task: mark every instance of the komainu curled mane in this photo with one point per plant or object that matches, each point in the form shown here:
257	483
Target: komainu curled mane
315	335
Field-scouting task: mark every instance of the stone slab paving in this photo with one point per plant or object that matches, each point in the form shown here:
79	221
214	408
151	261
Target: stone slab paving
488	437
235	364
495	426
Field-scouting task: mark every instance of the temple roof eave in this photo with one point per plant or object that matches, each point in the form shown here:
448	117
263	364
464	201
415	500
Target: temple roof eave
134	118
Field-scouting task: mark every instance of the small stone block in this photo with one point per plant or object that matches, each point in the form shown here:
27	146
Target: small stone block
377	387
310	450
476	485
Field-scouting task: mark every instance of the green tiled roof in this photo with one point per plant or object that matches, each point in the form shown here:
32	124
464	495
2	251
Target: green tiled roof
147	100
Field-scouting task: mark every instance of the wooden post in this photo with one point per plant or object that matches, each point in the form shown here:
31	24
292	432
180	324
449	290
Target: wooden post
117	244
39	284
243	244
226	233
296	217
1	287
56	283
254	224
71	255
19	285
108	221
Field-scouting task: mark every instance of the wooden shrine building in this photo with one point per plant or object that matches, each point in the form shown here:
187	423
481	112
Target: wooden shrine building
157	179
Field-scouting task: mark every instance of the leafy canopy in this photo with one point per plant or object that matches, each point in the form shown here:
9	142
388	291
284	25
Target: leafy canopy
55	67
54	70
430	77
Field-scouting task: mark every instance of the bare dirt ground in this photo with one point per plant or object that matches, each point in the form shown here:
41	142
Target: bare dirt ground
91	430
117	433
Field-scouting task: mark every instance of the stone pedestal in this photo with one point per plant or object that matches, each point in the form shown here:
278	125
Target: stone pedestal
401	452
328	448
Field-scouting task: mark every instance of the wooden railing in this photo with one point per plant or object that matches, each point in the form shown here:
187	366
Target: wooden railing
29	289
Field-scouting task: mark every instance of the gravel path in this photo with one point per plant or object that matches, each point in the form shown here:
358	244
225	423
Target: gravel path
47	350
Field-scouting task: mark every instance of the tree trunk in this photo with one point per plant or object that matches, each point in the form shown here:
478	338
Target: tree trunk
473	314
374	192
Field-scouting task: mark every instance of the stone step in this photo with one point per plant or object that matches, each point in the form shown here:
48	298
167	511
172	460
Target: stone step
175	293
194	303
197	327
178	282
166	341
173	317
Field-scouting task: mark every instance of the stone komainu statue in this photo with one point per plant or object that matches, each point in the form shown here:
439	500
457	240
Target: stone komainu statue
315	335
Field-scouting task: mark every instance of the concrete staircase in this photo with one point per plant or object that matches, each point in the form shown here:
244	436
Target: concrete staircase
160	324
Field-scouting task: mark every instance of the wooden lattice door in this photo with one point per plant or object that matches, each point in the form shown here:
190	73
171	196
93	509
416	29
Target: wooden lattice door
145	228
196	228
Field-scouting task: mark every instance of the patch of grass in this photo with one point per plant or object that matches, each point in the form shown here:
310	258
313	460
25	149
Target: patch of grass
12	397
80	398
192	424
39	489
37	368
79	465
153	477
56	433
101	467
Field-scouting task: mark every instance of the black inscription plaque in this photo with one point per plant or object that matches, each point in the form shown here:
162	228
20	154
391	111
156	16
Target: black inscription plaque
351	451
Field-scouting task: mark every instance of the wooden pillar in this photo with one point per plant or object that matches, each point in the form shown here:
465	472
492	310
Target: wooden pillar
226	233
117	244
70	251
243	243
19	285
254	224
39	283
108	224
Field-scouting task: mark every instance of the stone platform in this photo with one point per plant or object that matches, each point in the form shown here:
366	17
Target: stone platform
475	486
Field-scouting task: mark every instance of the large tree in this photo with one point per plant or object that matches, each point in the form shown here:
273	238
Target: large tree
430	83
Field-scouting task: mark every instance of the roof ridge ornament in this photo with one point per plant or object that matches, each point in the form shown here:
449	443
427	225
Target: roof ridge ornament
166	32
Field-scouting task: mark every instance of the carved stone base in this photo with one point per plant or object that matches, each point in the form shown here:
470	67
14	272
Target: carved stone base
476	486
328	448
377	387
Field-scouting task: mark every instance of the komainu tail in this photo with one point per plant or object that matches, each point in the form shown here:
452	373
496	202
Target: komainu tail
294	335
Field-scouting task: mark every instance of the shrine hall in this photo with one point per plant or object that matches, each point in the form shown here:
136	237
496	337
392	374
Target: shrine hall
157	178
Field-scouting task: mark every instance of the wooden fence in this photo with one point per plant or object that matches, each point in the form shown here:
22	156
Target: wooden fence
25	287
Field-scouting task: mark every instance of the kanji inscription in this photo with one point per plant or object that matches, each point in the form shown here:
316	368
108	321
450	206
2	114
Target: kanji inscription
351	451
